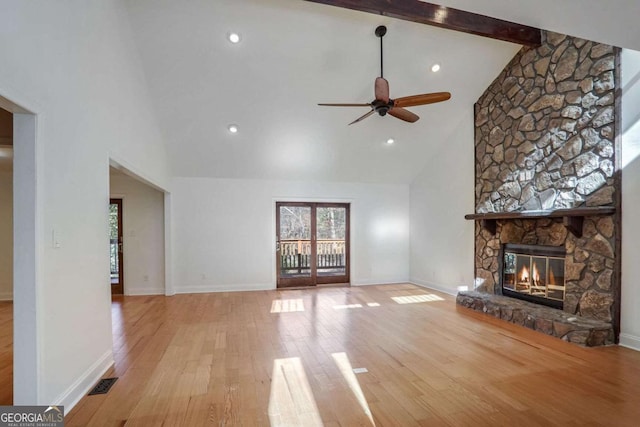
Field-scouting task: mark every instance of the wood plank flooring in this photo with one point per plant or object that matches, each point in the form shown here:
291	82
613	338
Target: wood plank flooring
6	353
287	358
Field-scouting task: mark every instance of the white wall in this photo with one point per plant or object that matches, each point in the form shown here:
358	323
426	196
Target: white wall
6	235
73	64
224	231
143	227
441	239
630	315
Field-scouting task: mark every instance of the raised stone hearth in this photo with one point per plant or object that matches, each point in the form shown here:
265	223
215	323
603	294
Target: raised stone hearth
589	260
546	139
568	327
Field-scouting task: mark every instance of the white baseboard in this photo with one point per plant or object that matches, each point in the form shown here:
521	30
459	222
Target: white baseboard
630	341
266	286
434	286
224	288
6	296
374	282
88	379
144	291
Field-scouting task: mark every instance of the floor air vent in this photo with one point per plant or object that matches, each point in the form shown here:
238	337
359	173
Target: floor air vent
103	386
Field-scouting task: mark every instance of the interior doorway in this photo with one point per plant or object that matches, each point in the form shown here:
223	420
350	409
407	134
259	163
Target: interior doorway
312	243
116	252
137	236
27	238
6	257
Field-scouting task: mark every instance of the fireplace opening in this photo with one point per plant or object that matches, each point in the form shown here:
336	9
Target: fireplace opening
534	274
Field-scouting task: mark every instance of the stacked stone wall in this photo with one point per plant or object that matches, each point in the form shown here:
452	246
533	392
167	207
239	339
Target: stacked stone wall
545	139
545	129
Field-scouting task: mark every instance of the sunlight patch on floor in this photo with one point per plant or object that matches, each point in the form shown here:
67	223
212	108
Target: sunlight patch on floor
291	401
287	305
373	304
414	299
342	360
345	306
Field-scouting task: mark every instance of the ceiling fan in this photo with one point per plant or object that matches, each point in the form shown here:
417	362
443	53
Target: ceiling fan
382	104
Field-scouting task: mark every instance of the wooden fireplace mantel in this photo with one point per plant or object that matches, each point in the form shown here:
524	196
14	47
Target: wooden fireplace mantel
573	218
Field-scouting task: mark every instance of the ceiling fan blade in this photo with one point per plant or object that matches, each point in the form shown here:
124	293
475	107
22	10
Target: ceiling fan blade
382	89
359	119
402	114
345	105
427	98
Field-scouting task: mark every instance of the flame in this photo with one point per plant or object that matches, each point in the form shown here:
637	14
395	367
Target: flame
524	276
535	274
552	278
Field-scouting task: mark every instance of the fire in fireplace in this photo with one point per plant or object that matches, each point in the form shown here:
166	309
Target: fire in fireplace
534	273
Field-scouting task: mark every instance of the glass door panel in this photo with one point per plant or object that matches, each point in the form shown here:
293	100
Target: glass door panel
115	238
332	250
294	248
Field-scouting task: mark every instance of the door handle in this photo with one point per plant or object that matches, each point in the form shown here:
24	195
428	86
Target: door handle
119	247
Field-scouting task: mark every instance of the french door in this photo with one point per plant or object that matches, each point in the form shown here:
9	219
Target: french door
312	243
116	254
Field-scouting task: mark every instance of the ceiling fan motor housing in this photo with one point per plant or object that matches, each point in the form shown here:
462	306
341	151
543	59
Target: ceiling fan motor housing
381	107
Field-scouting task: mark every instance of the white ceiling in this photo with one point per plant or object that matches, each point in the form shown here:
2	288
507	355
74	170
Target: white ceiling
295	54
613	22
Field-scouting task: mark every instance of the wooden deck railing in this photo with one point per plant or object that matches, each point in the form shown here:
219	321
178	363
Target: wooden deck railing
295	255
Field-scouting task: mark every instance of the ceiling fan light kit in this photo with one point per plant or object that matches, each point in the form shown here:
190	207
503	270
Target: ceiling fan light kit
383	104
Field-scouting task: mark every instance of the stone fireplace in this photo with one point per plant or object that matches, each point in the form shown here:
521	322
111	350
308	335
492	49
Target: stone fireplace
547	180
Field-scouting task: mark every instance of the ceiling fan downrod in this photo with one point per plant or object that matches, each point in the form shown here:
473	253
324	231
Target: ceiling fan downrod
380	32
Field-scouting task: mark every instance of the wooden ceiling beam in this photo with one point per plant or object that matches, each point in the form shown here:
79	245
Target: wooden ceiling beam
445	17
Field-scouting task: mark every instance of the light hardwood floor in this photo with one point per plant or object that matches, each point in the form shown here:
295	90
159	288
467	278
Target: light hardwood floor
6	353
286	358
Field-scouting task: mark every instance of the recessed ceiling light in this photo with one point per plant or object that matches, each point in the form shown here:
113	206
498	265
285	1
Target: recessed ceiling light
435	68
390	141
233	128
234	37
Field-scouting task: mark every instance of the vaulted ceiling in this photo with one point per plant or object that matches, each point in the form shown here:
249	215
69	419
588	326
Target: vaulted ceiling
612	22
294	54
